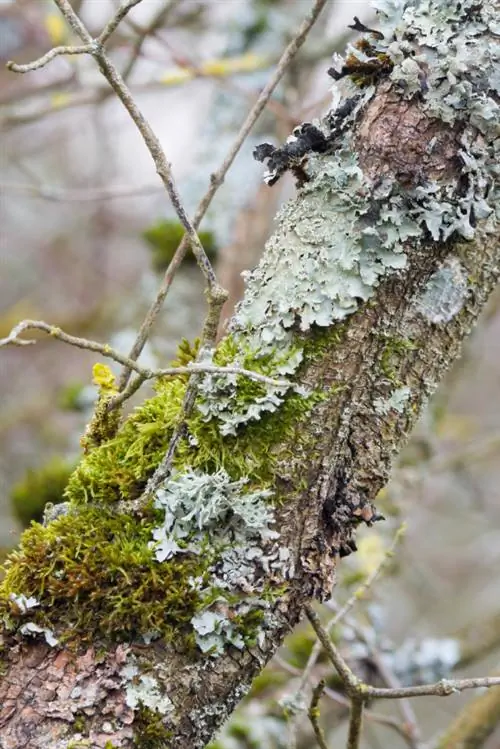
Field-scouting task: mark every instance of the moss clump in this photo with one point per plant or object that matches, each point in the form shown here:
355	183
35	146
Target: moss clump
38	487
119	469
93	573
149	730
165	236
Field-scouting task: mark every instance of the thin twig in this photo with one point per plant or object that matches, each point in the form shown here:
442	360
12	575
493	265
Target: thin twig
158	20
388	677
116	20
355	723
150	139
83	49
217	178
313	714
359	593
144	373
356	688
208	340
67	195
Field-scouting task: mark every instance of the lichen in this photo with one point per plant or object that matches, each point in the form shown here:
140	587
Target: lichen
395	402
445	293
144	690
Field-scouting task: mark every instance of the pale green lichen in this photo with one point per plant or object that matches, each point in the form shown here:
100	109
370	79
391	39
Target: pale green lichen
445	293
202	510
396	401
196	504
144	690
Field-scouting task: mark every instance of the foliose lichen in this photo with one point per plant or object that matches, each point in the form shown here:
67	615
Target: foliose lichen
445	292
396	401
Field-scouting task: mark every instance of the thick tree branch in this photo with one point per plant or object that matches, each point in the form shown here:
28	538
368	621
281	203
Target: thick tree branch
377	271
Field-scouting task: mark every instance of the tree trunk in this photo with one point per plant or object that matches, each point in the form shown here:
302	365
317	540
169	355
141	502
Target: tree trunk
376	273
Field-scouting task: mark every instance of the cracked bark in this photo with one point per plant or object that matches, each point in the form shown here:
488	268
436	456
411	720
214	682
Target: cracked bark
344	462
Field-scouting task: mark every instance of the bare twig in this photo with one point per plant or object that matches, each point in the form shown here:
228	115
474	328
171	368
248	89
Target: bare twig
217	178
357	689
143	372
120	14
158	20
84	49
211	325
66	195
119	86
355	723
359	593
313	714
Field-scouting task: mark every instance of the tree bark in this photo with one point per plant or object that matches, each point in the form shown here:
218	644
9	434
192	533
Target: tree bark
396	201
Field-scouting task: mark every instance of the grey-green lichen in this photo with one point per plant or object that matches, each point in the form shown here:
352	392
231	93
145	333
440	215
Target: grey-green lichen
209	510
445	292
395	402
144	690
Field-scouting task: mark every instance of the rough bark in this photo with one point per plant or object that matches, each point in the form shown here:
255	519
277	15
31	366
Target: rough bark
375	360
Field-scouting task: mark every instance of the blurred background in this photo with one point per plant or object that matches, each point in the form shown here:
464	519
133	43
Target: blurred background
86	232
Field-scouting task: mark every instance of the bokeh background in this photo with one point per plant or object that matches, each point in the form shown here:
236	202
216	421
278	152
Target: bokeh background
86	231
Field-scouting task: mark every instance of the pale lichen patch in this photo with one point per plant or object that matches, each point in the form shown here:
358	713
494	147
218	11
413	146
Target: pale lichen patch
144	690
396	401
445	293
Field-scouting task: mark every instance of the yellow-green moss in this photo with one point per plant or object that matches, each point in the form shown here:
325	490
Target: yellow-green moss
149	731
38	487
394	350
93	572
119	468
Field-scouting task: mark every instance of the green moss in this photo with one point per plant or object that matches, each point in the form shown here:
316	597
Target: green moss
266	681
165	236
79	723
149	731
320	341
104	422
299	645
119	468
38	487
93	573
393	353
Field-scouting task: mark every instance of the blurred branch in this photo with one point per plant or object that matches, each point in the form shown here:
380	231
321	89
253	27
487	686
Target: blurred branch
110	353
158	20
478	640
67	195
313	714
360	693
473	725
355	723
